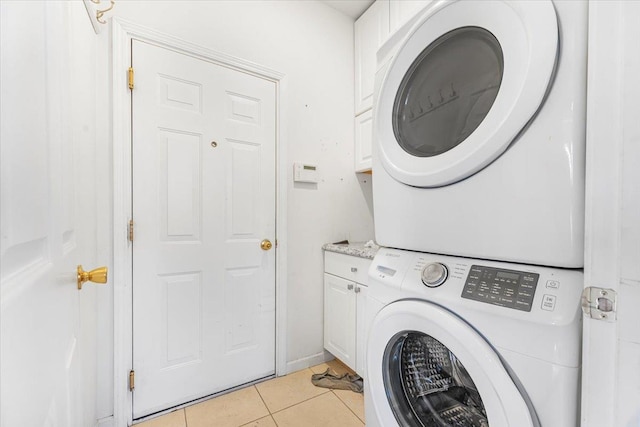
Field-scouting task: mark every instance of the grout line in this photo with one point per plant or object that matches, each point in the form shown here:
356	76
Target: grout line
184	412
301	402
297	403
262	398
264	403
345	404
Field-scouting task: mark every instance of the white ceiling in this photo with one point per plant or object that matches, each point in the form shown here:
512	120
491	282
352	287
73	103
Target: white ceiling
351	8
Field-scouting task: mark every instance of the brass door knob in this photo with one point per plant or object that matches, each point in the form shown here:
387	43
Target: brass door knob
266	245
97	275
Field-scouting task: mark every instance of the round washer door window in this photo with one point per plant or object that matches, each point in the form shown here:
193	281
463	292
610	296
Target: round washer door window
428	367
428	386
448	91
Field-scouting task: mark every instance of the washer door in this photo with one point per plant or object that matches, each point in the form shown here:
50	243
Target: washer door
466	80
427	367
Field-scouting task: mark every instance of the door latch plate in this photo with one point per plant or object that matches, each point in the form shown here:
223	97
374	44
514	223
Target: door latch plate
599	303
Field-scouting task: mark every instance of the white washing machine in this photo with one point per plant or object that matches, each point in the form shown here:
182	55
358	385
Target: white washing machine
479	132
463	342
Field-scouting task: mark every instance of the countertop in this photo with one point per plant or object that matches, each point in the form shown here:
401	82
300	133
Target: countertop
357	249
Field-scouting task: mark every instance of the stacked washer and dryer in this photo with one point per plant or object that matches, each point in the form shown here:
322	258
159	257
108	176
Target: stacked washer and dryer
478	185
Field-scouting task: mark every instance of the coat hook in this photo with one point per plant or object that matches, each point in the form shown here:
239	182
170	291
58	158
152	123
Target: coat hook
100	13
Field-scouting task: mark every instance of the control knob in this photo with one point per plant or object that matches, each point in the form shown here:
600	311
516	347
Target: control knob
434	274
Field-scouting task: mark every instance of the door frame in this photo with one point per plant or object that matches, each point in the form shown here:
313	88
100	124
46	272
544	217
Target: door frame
609	392
123	32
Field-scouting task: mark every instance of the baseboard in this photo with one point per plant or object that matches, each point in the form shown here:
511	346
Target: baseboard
105	422
306	362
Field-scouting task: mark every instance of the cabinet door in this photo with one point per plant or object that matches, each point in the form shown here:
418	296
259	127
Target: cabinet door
371	30
364	135
362	329
340	319
400	11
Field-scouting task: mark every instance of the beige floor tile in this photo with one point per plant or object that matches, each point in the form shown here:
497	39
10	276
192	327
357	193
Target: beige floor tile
335	365
262	422
322	411
355	401
172	419
230	410
283	392
318	369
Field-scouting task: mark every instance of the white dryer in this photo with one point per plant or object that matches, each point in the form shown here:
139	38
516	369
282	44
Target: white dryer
479	132
463	342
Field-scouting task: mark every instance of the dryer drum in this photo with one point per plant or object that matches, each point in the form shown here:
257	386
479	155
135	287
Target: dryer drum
448	91
428	386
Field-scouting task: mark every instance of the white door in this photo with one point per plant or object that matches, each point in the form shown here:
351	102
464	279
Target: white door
48	215
203	201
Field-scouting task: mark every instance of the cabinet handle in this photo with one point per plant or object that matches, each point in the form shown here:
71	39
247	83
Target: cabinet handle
357	289
350	286
354	269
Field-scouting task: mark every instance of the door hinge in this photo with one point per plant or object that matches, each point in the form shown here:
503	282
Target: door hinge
599	303
131	78
132	380
130	230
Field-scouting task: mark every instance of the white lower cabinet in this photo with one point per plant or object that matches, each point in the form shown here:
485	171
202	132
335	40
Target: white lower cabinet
345	302
340	319
361	329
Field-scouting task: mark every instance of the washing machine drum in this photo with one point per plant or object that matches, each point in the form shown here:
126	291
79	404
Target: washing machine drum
426	367
428	386
465	81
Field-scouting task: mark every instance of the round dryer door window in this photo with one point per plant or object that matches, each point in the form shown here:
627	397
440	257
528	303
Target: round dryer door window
428	386
465	81
448	91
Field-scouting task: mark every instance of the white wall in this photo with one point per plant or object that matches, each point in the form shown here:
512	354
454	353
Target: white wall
312	45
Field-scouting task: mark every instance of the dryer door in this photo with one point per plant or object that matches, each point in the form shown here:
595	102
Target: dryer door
427	367
465	81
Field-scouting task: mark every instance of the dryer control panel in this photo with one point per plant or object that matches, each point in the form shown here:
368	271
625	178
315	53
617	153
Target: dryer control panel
506	288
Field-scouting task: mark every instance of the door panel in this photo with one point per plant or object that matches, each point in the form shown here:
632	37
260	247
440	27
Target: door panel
48	216
203	199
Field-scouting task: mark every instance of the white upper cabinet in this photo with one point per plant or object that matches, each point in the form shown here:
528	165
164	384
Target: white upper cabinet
400	11
364	142
371	30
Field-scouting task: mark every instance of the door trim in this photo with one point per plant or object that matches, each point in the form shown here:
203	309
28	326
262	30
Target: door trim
123	32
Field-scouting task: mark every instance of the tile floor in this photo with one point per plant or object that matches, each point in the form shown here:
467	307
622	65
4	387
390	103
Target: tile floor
289	401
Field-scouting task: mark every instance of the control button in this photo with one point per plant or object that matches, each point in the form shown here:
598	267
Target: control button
548	302
434	274
553	284
506	300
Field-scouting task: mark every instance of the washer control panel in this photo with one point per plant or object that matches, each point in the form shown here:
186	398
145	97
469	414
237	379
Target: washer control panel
506	288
